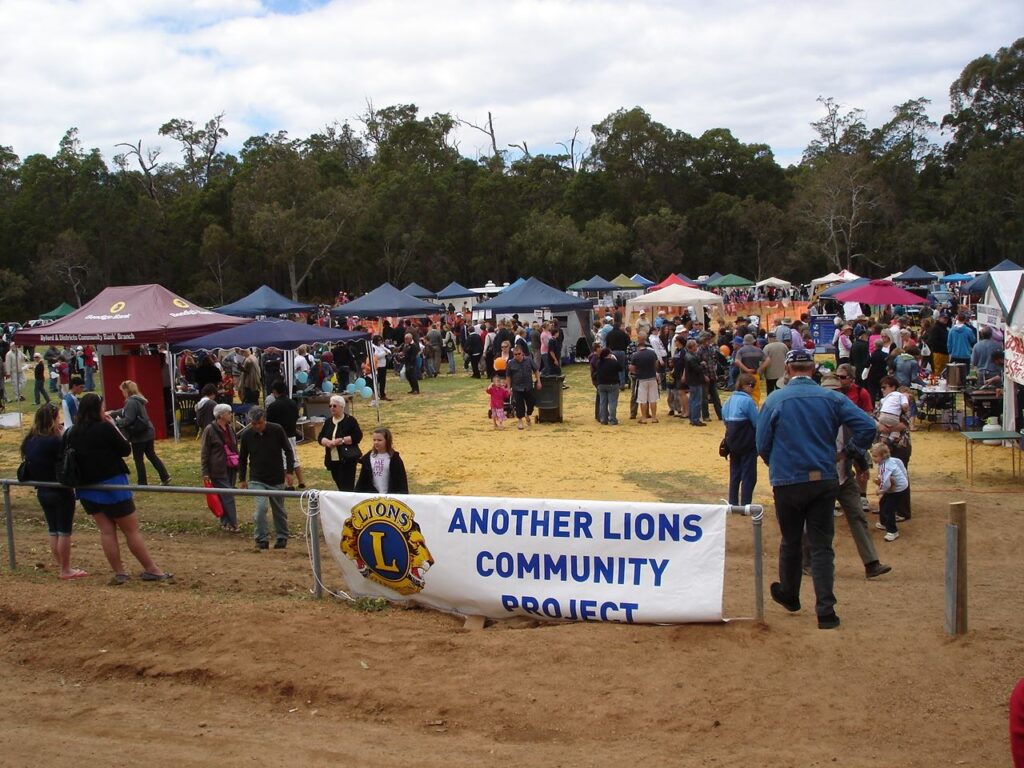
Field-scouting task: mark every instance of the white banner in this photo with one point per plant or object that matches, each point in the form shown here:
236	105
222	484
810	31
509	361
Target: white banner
545	558
1013	360
992	316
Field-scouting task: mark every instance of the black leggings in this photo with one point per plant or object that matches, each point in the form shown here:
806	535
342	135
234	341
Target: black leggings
382	381
344	474
146	449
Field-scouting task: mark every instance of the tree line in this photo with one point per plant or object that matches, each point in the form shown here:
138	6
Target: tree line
393	198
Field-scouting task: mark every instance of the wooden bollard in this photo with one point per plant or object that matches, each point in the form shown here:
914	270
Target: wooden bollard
956	569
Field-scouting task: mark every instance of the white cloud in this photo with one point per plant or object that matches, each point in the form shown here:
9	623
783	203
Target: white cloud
119	70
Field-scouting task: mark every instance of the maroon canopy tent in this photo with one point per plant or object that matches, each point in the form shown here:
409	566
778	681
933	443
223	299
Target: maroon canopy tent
130	314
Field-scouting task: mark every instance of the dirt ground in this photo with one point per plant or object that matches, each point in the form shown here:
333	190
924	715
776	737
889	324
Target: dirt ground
236	664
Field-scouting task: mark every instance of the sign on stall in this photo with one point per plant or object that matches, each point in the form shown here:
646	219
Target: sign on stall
545	558
1013	362
988	315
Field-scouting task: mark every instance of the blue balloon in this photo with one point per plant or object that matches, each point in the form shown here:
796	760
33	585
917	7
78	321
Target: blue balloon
351	389
301	377
360	382
366	392
327	386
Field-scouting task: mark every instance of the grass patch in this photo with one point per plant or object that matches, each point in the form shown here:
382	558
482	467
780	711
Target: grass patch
673	487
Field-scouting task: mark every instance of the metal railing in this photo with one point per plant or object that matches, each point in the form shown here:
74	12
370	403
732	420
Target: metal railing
754	511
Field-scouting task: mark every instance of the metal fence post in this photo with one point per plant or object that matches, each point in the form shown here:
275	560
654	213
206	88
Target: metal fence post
756	514
9	517
314	543
756	519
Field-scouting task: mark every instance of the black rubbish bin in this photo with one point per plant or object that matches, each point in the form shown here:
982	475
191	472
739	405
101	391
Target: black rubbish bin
549	399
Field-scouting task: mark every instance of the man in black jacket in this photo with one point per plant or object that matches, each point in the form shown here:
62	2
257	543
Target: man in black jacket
266	446
474	350
285	412
617	340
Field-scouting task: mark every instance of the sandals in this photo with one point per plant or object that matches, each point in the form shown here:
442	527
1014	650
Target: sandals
74	573
119	579
147	576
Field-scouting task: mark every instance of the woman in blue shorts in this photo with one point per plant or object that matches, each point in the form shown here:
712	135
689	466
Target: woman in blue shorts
100	449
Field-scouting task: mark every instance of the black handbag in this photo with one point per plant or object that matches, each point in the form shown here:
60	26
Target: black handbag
23	472
350	452
67	464
723	449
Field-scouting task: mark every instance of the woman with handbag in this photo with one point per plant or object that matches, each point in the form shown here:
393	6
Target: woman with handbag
41	450
134	423
340	438
218	459
100	449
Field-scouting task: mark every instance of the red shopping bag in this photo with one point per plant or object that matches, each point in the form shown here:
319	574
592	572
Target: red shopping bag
213	501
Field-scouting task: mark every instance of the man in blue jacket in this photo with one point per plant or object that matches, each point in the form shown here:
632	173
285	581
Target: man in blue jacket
961	340
796	437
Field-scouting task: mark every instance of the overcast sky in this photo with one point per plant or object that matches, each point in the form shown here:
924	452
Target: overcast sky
118	70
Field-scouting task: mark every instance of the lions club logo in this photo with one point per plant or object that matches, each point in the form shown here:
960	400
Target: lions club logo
383	539
180	303
116	307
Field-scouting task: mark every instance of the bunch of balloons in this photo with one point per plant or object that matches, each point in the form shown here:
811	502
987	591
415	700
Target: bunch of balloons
360	388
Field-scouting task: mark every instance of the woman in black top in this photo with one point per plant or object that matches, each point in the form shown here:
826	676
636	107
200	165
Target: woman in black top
340	438
100	449
41	450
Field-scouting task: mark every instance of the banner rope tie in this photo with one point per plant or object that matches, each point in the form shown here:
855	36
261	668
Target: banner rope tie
309	514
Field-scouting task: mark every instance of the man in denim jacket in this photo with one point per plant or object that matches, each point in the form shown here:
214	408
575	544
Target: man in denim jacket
796	435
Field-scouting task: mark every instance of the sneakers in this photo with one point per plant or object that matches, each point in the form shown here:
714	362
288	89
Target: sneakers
900	519
876	569
880	527
891	536
280	543
864	503
779	597
828	621
262	545
166	482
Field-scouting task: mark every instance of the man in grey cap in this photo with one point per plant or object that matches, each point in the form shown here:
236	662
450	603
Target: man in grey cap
796	438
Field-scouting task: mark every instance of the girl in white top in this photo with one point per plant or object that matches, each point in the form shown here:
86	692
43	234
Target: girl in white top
893	490
892	405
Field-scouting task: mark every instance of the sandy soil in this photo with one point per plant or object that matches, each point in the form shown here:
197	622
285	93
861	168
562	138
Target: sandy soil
236	663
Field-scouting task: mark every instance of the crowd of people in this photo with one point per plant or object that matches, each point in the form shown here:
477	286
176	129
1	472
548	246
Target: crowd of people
830	434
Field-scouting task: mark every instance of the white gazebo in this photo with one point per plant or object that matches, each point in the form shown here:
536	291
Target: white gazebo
774	282
676	296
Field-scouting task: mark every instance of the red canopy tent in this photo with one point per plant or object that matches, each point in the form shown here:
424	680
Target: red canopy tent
131	315
672	279
879	292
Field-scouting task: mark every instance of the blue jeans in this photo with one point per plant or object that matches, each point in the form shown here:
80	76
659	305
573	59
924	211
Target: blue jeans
90	383
607	403
260	514
621	357
227	501
742	477
696	399
41	391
